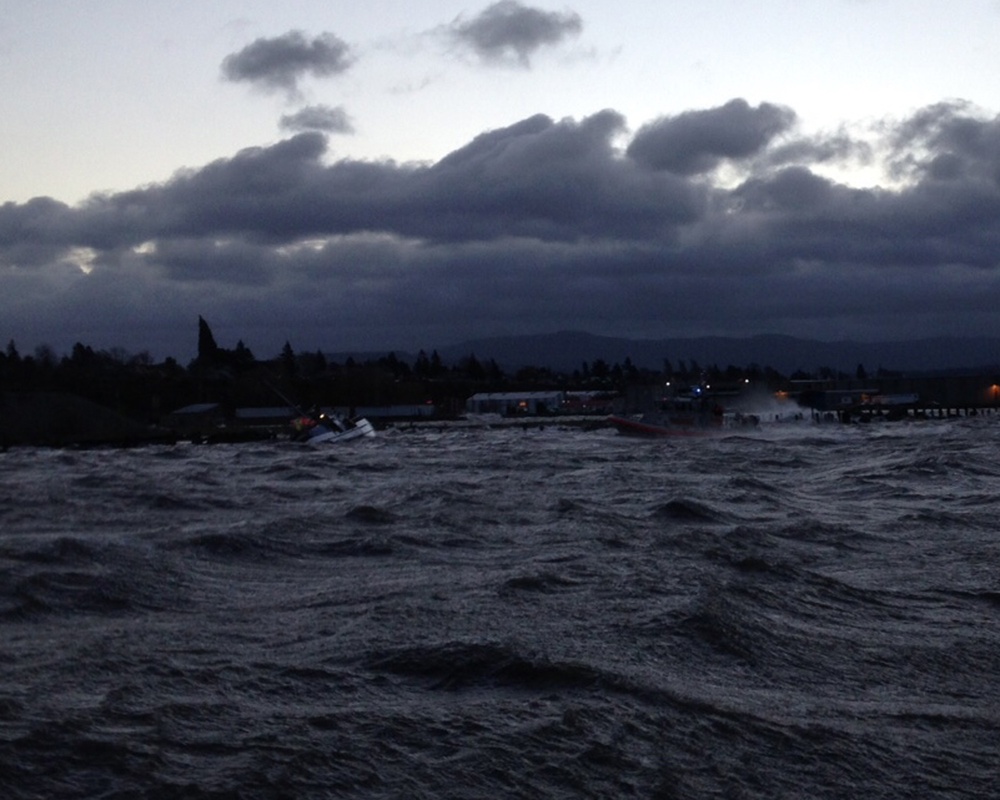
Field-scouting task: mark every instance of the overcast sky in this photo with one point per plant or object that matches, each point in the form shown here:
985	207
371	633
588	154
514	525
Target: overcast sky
406	174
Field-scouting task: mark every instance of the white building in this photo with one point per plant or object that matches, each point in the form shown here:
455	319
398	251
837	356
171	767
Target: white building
515	402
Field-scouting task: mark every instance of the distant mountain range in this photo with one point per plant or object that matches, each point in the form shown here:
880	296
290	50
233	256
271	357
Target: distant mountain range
567	350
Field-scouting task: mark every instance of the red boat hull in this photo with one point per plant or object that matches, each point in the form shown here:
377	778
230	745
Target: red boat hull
636	427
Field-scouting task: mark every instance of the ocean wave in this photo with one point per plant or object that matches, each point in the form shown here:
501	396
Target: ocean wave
458	665
687	510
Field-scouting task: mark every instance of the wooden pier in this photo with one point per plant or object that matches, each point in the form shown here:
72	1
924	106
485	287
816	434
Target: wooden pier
925	397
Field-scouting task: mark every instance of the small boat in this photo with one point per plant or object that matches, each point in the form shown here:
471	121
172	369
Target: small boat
658	424
317	428
325	429
664	423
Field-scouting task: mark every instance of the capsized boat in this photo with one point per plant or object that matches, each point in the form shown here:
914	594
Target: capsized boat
326	429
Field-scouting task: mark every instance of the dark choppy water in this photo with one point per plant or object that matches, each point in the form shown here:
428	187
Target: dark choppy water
806	612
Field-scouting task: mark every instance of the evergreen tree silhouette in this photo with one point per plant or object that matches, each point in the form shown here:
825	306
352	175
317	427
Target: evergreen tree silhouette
289	363
208	350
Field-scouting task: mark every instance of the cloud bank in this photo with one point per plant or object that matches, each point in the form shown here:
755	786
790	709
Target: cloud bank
539	226
696	141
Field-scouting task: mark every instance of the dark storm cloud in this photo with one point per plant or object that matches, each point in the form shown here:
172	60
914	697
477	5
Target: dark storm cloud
838	148
508	31
318	118
279	63
557	180
947	141
227	262
41	219
538	178
541	225
696	141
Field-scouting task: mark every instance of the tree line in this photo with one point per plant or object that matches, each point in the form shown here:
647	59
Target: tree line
140	387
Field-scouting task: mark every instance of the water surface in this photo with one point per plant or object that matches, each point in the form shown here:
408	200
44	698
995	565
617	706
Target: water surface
804	611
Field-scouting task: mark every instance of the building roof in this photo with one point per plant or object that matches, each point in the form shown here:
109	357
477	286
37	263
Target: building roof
269	412
197	408
516	395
